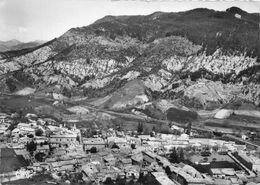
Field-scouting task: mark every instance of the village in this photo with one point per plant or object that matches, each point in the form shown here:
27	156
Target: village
31	146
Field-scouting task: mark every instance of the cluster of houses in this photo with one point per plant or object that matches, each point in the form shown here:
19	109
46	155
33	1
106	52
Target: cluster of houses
53	148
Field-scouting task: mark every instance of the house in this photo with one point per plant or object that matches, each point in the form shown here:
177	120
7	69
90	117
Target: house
3	128
53	128
223	182
15	132
24	140
98	143
89	169
126	161
185	176
3	117
40	139
132	171
145	138
49	121
18	147
24	125
59	152
133	140
174	127
121	142
123	162
222	172
110	159
149	157
25	128
162	178
39	167
36	167
137	158
29	115
244	137
65	138
41	121
43	148
96	158
155	166
62	166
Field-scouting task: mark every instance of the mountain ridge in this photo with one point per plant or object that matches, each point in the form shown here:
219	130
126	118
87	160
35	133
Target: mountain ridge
18	45
170	53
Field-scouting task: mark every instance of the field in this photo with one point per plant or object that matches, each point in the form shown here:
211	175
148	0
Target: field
13	103
30	104
9	161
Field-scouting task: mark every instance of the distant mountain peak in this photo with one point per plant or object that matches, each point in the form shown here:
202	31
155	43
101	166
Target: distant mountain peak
11	42
15	44
14	40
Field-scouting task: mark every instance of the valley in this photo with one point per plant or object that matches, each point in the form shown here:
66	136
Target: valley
134	98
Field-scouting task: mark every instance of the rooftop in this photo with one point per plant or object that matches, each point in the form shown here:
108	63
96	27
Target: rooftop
162	178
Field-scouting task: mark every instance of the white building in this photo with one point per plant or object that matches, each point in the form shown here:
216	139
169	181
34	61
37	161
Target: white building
63	138
98	143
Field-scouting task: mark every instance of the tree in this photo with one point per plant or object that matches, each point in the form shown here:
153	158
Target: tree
40	156
140	128
215	148
108	181
31	147
115	146
66	92
93	150
173	156
168	170
188	128
181	155
94	132
12	127
78	138
30	136
38	132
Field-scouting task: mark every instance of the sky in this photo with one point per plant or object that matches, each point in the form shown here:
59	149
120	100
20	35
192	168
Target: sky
29	20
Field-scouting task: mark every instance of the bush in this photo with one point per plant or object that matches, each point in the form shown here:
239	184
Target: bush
31	147
93	150
38	132
40	156
115	146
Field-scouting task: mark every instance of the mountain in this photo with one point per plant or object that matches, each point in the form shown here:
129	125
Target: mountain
17	45
199	59
6	45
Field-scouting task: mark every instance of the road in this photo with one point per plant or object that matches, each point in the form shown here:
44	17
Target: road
243	141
